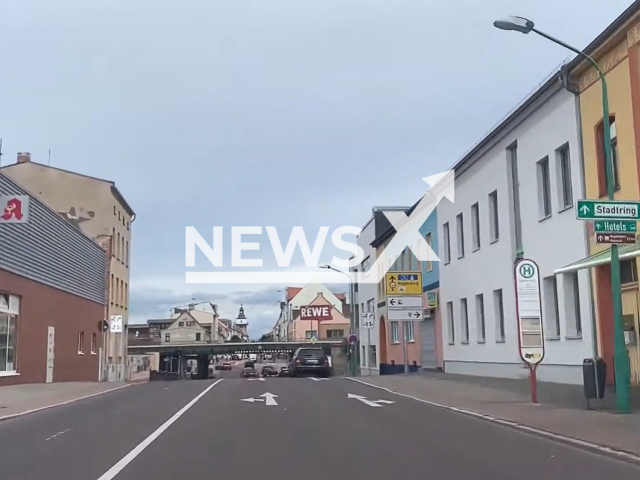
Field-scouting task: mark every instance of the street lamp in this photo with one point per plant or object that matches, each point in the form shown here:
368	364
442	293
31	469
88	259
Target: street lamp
620	356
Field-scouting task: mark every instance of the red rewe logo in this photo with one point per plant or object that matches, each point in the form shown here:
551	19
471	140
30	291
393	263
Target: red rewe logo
12	210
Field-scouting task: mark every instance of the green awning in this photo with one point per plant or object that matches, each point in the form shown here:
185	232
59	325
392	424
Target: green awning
626	252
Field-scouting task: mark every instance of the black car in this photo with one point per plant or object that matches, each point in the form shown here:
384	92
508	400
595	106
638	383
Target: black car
269	371
310	360
249	372
284	372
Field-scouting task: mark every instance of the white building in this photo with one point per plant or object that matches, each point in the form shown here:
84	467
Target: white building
502	212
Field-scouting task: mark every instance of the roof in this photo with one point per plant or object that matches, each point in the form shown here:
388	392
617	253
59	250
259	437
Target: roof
292	292
626	252
160	320
114	190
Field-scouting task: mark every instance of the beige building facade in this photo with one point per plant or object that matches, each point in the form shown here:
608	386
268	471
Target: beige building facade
96	207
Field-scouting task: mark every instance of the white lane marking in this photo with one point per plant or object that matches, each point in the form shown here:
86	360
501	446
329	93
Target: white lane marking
58	434
7	417
270	398
363	400
315	379
251	400
544	433
129	457
254	379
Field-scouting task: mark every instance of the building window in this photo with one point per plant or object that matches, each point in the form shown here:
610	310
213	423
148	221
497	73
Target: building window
335	333
481	327
111	290
94	341
122	251
117	294
447	243
494	218
127	225
460	231
311	334
409	332
126	253
81	343
544	188
429	262
564	174
628	272
181	324
198	337
602	161
126	295
551	313
395	338
572	304
498	308
373	359
114	209
118	246
464	320
114	245
475	226
451	324
8	342
167	337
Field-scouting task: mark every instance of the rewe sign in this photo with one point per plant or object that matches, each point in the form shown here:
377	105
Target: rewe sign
316	312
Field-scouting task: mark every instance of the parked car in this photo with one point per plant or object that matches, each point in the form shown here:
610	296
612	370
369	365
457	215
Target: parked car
310	360
269	371
284	372
250	364
249	372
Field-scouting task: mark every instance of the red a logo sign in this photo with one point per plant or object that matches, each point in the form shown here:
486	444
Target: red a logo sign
13	209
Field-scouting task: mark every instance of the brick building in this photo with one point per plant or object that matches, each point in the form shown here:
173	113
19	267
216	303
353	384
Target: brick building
52	297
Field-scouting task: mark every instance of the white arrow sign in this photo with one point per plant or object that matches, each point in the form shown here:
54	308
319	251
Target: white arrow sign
371	403
405	314
409	301
268	398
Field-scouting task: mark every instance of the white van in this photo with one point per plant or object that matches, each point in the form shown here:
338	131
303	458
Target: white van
253	357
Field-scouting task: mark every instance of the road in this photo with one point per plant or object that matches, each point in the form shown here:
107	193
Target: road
306	430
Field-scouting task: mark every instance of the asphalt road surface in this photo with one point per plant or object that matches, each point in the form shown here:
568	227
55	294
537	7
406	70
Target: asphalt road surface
280	428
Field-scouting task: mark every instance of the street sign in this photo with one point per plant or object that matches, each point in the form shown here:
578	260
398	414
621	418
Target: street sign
615	237
408	301
116	323
607	210
529	311
432	299
615	226
405	314
403	283
14	208
353	339
313	340
368	320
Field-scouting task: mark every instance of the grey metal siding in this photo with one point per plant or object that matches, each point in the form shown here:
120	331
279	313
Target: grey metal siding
51	251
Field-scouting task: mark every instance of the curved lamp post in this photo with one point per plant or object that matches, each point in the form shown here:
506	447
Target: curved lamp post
621	360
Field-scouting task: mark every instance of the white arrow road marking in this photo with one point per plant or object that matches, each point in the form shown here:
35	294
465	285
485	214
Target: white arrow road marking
251	400
371	403
254	379
270	399
318	379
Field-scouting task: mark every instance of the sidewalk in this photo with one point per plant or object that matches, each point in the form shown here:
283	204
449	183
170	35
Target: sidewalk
20	399
560	410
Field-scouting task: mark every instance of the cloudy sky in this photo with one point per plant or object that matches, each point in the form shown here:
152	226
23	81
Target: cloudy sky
264	112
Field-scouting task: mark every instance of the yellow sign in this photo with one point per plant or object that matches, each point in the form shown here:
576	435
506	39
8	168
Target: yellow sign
403	283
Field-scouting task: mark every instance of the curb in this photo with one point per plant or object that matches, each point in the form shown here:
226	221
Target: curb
15	415
583	444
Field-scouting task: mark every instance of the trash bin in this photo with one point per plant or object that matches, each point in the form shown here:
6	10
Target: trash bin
594	374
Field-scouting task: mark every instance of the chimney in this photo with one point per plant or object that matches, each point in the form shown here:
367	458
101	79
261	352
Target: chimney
24	157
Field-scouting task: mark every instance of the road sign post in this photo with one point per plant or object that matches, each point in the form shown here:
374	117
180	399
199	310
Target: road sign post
529	315
618	214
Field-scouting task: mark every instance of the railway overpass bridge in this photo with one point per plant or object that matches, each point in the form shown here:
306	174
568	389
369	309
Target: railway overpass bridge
173	356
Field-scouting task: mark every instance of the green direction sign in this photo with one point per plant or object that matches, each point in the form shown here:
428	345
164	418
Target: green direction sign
607	210
615	226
